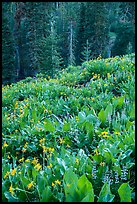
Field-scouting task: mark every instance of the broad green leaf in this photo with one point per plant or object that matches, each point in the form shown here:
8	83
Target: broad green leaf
70	177
91	118
34	173
82	117
41	183
124	192
34	114
48	126
121	101
47	195
26	111
25	181
70	183
105	194
66	127
85	189
102	116
108	110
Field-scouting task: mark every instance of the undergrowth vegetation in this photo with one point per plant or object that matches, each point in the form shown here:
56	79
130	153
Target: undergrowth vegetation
71	138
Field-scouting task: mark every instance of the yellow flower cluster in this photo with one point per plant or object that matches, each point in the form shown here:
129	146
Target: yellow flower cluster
13	172
34	161
49	166
11	190
38	166
30	185
56	182
6	175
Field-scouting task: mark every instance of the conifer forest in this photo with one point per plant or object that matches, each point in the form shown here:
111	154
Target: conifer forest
68	101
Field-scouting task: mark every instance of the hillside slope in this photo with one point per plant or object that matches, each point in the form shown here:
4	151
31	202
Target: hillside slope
71	138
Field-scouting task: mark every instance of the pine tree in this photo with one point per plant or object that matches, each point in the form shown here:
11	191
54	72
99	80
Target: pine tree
8	50
87	52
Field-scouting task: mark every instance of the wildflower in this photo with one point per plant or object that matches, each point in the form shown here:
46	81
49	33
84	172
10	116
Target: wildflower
25	144
92	99
102	163
67	145
117	133
23	150
34	161
21	160
5	144
104	133
77	161
13	172
106	136
57	182
38	166
105	84
11	190
27	160
51	149
44	149
16	130
6	175
30	185
8	157
53	184
49	166
21	110
37	128
42	140
77	119
61	140
96	152
19	172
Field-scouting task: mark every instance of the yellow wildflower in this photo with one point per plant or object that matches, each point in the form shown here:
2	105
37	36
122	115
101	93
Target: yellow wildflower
5	144
8	157
23	150
102	163
53	184
92	99
104	133
77	161
21	160
34	161
25	144
30	185
44	149
27	160
117	133
49	166
96	152
13	172
61	140
42	140
6	175
38	166
57	182
11	190
77	118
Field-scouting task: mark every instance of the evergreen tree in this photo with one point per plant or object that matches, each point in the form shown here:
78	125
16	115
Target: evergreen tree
8	50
